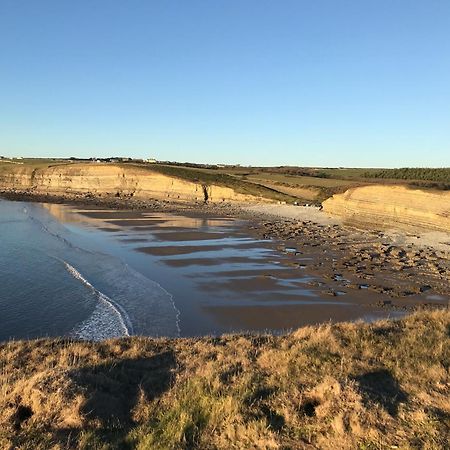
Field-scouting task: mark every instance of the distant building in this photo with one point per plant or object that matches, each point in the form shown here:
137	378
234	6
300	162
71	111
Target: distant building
150	160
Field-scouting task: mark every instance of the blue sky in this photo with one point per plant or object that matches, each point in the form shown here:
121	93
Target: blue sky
310	83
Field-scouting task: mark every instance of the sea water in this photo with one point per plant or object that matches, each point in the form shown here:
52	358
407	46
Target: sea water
51	285
94	274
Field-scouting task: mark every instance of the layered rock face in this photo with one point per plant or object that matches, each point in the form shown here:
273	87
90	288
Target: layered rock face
392	207
108	179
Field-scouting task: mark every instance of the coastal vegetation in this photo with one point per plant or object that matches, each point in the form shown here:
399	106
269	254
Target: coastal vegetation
416	177
347	386
406	173
209	177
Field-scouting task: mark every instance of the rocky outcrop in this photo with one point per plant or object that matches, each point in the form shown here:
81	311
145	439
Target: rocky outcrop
390	206
115	180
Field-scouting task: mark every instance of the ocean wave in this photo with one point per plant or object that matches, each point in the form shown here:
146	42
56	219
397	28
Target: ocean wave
121	294
101	325
150	288
107	297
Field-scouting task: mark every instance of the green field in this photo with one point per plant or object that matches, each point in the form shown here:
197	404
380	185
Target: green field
33	163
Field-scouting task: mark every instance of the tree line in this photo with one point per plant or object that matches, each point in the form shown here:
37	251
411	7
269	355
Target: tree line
407	173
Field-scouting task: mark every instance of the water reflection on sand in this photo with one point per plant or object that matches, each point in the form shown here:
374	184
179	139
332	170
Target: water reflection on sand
220	277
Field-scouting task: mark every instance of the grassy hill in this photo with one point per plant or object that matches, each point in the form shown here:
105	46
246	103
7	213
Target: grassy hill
345	386
209	177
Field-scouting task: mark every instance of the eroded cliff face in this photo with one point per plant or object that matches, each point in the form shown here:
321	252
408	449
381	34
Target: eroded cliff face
392	207
108	179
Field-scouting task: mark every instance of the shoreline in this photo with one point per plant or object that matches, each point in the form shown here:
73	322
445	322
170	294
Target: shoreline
263	211
403	274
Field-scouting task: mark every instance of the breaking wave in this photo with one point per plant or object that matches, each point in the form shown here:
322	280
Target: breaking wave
124	301
108	320
90	293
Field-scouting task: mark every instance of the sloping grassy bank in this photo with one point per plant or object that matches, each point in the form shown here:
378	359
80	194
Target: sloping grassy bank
383	385
212	177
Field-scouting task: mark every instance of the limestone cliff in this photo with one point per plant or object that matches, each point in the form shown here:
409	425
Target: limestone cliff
114	180
392	207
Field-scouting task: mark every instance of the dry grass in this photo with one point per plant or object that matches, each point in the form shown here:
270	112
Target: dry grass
345	386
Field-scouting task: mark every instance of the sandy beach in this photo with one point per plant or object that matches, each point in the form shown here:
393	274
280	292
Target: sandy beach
386	271
274	267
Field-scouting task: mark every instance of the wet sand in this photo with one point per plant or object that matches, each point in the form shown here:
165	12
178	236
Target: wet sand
233	274
288	317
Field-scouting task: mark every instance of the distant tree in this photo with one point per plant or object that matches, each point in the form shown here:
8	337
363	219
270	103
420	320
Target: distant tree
414	173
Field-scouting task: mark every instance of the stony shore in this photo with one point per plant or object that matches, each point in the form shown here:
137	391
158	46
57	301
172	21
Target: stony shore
347	259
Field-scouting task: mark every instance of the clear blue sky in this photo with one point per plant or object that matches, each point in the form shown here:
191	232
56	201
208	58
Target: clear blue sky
314	83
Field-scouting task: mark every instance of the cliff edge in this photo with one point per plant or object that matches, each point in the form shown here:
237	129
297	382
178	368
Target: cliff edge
390	206
342	386
116	180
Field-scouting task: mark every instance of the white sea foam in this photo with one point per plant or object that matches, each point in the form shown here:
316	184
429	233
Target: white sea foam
108	320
